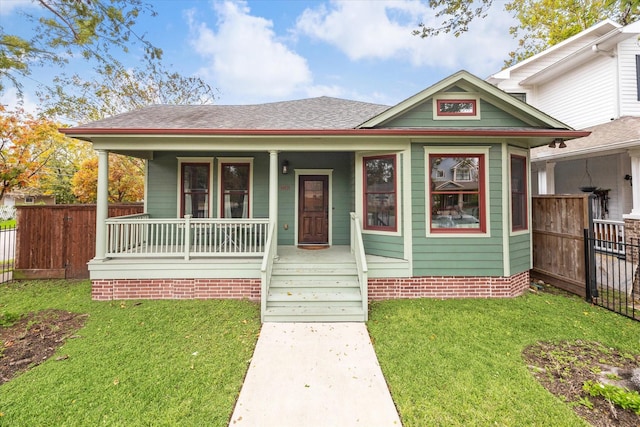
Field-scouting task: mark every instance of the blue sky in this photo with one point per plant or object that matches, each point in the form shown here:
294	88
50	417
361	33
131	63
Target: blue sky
266	51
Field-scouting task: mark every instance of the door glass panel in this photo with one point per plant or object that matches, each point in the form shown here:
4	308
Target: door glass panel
313	196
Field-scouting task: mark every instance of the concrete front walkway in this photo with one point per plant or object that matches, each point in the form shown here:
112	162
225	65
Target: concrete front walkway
314	374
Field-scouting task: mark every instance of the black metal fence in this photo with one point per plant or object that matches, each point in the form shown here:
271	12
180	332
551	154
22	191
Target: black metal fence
612	274
7	252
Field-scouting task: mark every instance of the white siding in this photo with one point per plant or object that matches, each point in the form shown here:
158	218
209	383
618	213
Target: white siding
606	172
583	97
627	51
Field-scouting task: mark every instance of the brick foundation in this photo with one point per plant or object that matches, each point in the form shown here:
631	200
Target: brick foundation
120	289
379	289
449	287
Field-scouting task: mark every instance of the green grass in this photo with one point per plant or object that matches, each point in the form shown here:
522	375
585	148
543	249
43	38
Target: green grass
10	223
459	363
153	363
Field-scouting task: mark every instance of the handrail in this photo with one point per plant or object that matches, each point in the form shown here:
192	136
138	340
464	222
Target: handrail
357	249
266	268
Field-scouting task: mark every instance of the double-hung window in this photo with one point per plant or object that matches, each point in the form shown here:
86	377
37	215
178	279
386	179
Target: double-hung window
195	190
235	187
519	194
456	192
380	193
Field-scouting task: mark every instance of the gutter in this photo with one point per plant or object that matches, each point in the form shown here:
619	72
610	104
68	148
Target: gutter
541	133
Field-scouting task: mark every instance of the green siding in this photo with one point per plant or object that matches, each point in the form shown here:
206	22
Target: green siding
457	256
162	182
421	116
342	191
162	192
519	252
381	245
162	185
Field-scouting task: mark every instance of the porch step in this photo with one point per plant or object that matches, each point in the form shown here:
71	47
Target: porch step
315	292
314	314
296	296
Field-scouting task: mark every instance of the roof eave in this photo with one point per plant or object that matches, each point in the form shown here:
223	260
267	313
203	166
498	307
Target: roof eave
88	132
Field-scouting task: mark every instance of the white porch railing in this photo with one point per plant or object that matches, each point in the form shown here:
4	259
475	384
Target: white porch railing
357	249
265	270
609	235
138	236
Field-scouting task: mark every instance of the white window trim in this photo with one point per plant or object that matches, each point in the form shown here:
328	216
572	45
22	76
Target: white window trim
521	153
484	150
222	160
456	96
360	192
207	160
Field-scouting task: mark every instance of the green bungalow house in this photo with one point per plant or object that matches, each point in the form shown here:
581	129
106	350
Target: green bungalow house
315	207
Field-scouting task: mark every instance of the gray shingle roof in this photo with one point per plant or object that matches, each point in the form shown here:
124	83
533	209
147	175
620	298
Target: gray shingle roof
313	113
625	130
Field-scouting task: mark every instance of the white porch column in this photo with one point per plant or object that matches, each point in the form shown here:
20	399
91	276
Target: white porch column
102	204
273	193
635	184
547	179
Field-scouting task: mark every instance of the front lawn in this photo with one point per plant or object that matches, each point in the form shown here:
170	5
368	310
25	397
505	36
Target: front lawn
460	362
134	362
447	363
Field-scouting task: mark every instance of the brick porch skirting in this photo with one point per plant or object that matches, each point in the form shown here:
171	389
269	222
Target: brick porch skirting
449	287
379	289
120	289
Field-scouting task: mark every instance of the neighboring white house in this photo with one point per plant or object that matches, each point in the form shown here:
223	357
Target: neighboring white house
590	81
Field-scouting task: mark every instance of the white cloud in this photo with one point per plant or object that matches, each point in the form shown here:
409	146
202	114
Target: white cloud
244	56
381	30
8	6
12	101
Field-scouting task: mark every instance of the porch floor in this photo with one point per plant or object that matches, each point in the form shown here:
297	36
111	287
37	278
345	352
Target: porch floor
243	267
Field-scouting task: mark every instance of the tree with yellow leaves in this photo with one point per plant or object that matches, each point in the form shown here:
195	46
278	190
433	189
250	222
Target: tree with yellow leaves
126	180
27	145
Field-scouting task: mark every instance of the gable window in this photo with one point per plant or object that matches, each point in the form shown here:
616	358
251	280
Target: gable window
235	180
195	190
29	200
456	107
462	171
457	200
519	196
380	193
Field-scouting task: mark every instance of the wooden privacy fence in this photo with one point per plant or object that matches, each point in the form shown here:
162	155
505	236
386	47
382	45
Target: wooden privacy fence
558	241
56	242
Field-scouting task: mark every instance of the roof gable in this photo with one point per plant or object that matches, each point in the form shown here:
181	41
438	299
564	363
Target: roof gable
466	84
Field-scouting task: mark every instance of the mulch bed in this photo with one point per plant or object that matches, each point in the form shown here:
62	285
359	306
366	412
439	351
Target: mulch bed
34	339
562	368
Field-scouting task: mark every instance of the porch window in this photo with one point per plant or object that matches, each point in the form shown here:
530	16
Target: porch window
235	179
380	210
195	192
457	199
519	220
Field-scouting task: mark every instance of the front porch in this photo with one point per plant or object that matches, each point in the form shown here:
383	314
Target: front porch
188	258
